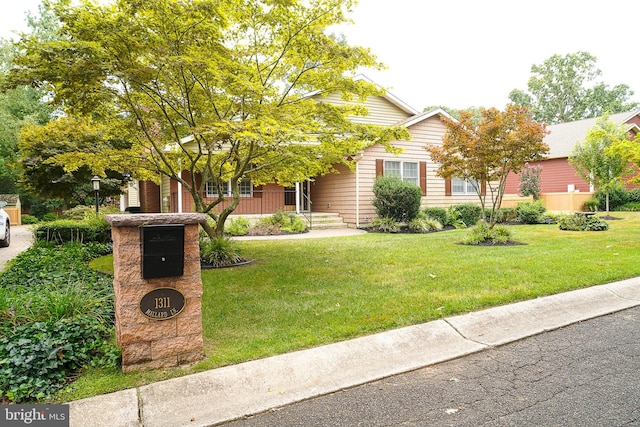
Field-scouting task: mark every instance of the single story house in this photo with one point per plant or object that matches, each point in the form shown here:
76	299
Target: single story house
557	175
348	193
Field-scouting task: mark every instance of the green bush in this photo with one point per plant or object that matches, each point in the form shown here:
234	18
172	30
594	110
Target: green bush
580	222
221	252
49	216
65	231
454	218
482	234
439	214
29	219
238	226
469	213
530	212
507	214
396	199
633	195
618	196
385	225
630	207
281	221
424	225
591	205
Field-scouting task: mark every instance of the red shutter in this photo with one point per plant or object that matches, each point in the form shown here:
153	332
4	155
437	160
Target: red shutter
447	186
423	178
483	188
379	167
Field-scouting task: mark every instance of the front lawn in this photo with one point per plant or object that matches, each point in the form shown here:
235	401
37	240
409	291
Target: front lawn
303	293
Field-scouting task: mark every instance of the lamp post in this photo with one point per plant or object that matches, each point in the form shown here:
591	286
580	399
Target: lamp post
95	182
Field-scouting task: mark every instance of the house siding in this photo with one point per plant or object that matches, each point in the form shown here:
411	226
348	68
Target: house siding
336	193
556	176
381	111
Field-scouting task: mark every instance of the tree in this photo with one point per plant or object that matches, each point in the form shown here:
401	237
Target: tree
20	105
530	181
487	152
219	88
563	89
594	163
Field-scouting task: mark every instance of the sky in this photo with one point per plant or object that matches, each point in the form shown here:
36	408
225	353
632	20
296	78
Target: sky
467	53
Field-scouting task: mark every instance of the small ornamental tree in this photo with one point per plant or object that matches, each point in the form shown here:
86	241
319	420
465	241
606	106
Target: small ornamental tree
530	181
487	152
594	163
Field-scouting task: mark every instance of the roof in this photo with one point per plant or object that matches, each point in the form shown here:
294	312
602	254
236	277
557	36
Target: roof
410	121
564	136
11	199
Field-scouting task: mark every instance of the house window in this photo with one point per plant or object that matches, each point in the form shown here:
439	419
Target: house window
407	171
245	187
460	186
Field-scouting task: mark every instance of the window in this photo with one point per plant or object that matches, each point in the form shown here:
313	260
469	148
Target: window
460	186
245	187
407	171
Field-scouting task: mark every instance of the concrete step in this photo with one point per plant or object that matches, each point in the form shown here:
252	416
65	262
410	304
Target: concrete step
326	221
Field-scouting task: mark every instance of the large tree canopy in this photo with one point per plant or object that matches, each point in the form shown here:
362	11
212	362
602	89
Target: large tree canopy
216	87
486	152
564	89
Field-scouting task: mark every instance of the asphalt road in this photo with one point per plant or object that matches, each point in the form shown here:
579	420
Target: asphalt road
21	239
586	374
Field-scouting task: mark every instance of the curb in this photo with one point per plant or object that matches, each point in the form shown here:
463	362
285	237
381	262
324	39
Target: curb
236	391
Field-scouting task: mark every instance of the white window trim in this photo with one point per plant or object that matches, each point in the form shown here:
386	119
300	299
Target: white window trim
402	163
469	188
209	185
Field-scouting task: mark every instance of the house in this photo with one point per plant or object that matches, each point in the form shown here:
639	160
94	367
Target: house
13	208
557	175
348	193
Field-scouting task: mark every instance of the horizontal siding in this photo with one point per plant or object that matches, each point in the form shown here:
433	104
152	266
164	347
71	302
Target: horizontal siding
336	193
556	176
381	111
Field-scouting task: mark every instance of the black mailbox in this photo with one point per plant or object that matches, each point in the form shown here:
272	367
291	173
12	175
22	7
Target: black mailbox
162	249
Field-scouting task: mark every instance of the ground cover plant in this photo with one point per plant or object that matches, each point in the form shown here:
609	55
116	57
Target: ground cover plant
56	317
304	293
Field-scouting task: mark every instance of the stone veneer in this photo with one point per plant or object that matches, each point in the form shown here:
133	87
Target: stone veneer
147	343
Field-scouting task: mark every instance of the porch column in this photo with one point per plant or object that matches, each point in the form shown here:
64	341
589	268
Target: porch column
180	192
298	210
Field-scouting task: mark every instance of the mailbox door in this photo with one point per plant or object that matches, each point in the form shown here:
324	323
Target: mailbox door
162	248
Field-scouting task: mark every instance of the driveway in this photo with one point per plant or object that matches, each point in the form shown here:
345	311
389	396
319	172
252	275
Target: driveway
21	240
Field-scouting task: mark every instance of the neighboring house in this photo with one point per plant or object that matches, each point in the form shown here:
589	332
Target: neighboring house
558	176
348	193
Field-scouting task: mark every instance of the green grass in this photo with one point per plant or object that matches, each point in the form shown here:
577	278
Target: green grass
303	293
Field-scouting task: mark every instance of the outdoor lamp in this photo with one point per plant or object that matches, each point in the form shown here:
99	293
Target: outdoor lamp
95	182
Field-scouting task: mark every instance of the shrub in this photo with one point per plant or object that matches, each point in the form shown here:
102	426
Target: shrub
424	225
281	221
220	252
530	212
634	195
618	196
579	222
439	214
591	205
238	226
396	199
65	231
49	216
630	207
507	215
469	213
482	234
385	225
455	219
29	219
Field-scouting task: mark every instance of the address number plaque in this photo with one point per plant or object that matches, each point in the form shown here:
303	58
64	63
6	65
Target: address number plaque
162	303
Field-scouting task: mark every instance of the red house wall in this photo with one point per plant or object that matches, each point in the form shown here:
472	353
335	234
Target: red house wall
556	175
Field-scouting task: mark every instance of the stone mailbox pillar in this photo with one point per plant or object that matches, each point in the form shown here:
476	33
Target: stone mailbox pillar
157	289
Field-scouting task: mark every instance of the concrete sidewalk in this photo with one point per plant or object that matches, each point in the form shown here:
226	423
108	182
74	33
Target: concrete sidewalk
232	392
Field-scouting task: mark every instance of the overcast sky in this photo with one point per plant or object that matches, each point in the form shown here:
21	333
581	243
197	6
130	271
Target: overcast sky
472	52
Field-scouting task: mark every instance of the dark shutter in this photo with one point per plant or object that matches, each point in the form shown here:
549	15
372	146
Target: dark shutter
483	188
447	186
379	167
423	178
